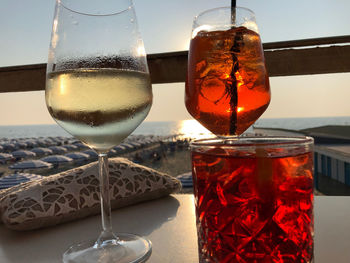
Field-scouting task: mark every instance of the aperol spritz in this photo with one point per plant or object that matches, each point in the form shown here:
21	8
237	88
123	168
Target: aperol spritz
227	87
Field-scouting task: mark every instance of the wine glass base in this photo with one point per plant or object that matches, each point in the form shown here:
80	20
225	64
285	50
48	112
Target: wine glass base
127	249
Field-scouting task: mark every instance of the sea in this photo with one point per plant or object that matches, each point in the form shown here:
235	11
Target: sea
190	128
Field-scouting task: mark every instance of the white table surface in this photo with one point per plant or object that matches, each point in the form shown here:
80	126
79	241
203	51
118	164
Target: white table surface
170	224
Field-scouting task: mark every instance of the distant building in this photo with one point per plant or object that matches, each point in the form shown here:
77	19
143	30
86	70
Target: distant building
332	161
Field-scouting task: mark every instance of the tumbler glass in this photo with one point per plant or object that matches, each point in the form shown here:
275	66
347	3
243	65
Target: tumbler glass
254	199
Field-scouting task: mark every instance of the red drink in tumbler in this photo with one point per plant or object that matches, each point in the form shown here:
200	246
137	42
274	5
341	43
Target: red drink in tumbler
254	202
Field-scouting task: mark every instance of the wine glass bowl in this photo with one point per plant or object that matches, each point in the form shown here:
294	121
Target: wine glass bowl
227	87
99	106
98	86
98	89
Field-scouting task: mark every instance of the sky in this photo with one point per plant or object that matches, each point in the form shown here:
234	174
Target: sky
165	26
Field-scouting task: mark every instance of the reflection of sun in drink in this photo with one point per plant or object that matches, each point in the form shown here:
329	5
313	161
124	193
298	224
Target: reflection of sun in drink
239	109
193	129
185	45
140	50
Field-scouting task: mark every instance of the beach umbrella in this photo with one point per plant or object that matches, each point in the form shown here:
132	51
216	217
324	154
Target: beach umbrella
128	146
66	140
42	151
40	141
23	154
70	147
77	156
186	179
17	178
57	159
31	143
9	147
135	144
61	138
81	145
91	153
5	157
58	149
32	164
112	152
20	145
147	142
54	139
72	141
142	142
119	149
44	142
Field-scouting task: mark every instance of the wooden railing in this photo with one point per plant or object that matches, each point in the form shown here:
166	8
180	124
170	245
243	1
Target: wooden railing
286	58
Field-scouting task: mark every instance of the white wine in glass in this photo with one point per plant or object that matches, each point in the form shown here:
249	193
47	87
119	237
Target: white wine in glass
99	106
98	89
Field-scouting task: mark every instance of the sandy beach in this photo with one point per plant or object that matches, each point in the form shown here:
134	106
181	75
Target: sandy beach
168	154
171	154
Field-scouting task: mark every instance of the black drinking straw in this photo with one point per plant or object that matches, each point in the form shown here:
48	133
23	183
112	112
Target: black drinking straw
232	89
233	11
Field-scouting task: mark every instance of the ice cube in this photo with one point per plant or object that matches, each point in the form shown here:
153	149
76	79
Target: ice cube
294	223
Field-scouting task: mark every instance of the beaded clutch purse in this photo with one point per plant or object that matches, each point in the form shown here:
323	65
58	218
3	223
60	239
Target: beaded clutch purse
74	194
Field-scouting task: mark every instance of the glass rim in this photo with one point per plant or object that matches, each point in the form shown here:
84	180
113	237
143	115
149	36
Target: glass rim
254	141
222	7
60	2
244	17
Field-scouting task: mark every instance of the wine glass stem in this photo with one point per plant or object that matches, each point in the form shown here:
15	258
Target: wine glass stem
106	234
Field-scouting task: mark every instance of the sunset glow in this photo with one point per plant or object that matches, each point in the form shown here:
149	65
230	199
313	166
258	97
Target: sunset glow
193	129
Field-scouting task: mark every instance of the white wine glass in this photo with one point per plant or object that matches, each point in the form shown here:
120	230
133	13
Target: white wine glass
98	89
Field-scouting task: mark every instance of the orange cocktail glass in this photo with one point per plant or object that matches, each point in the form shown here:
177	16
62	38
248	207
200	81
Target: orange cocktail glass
227	87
